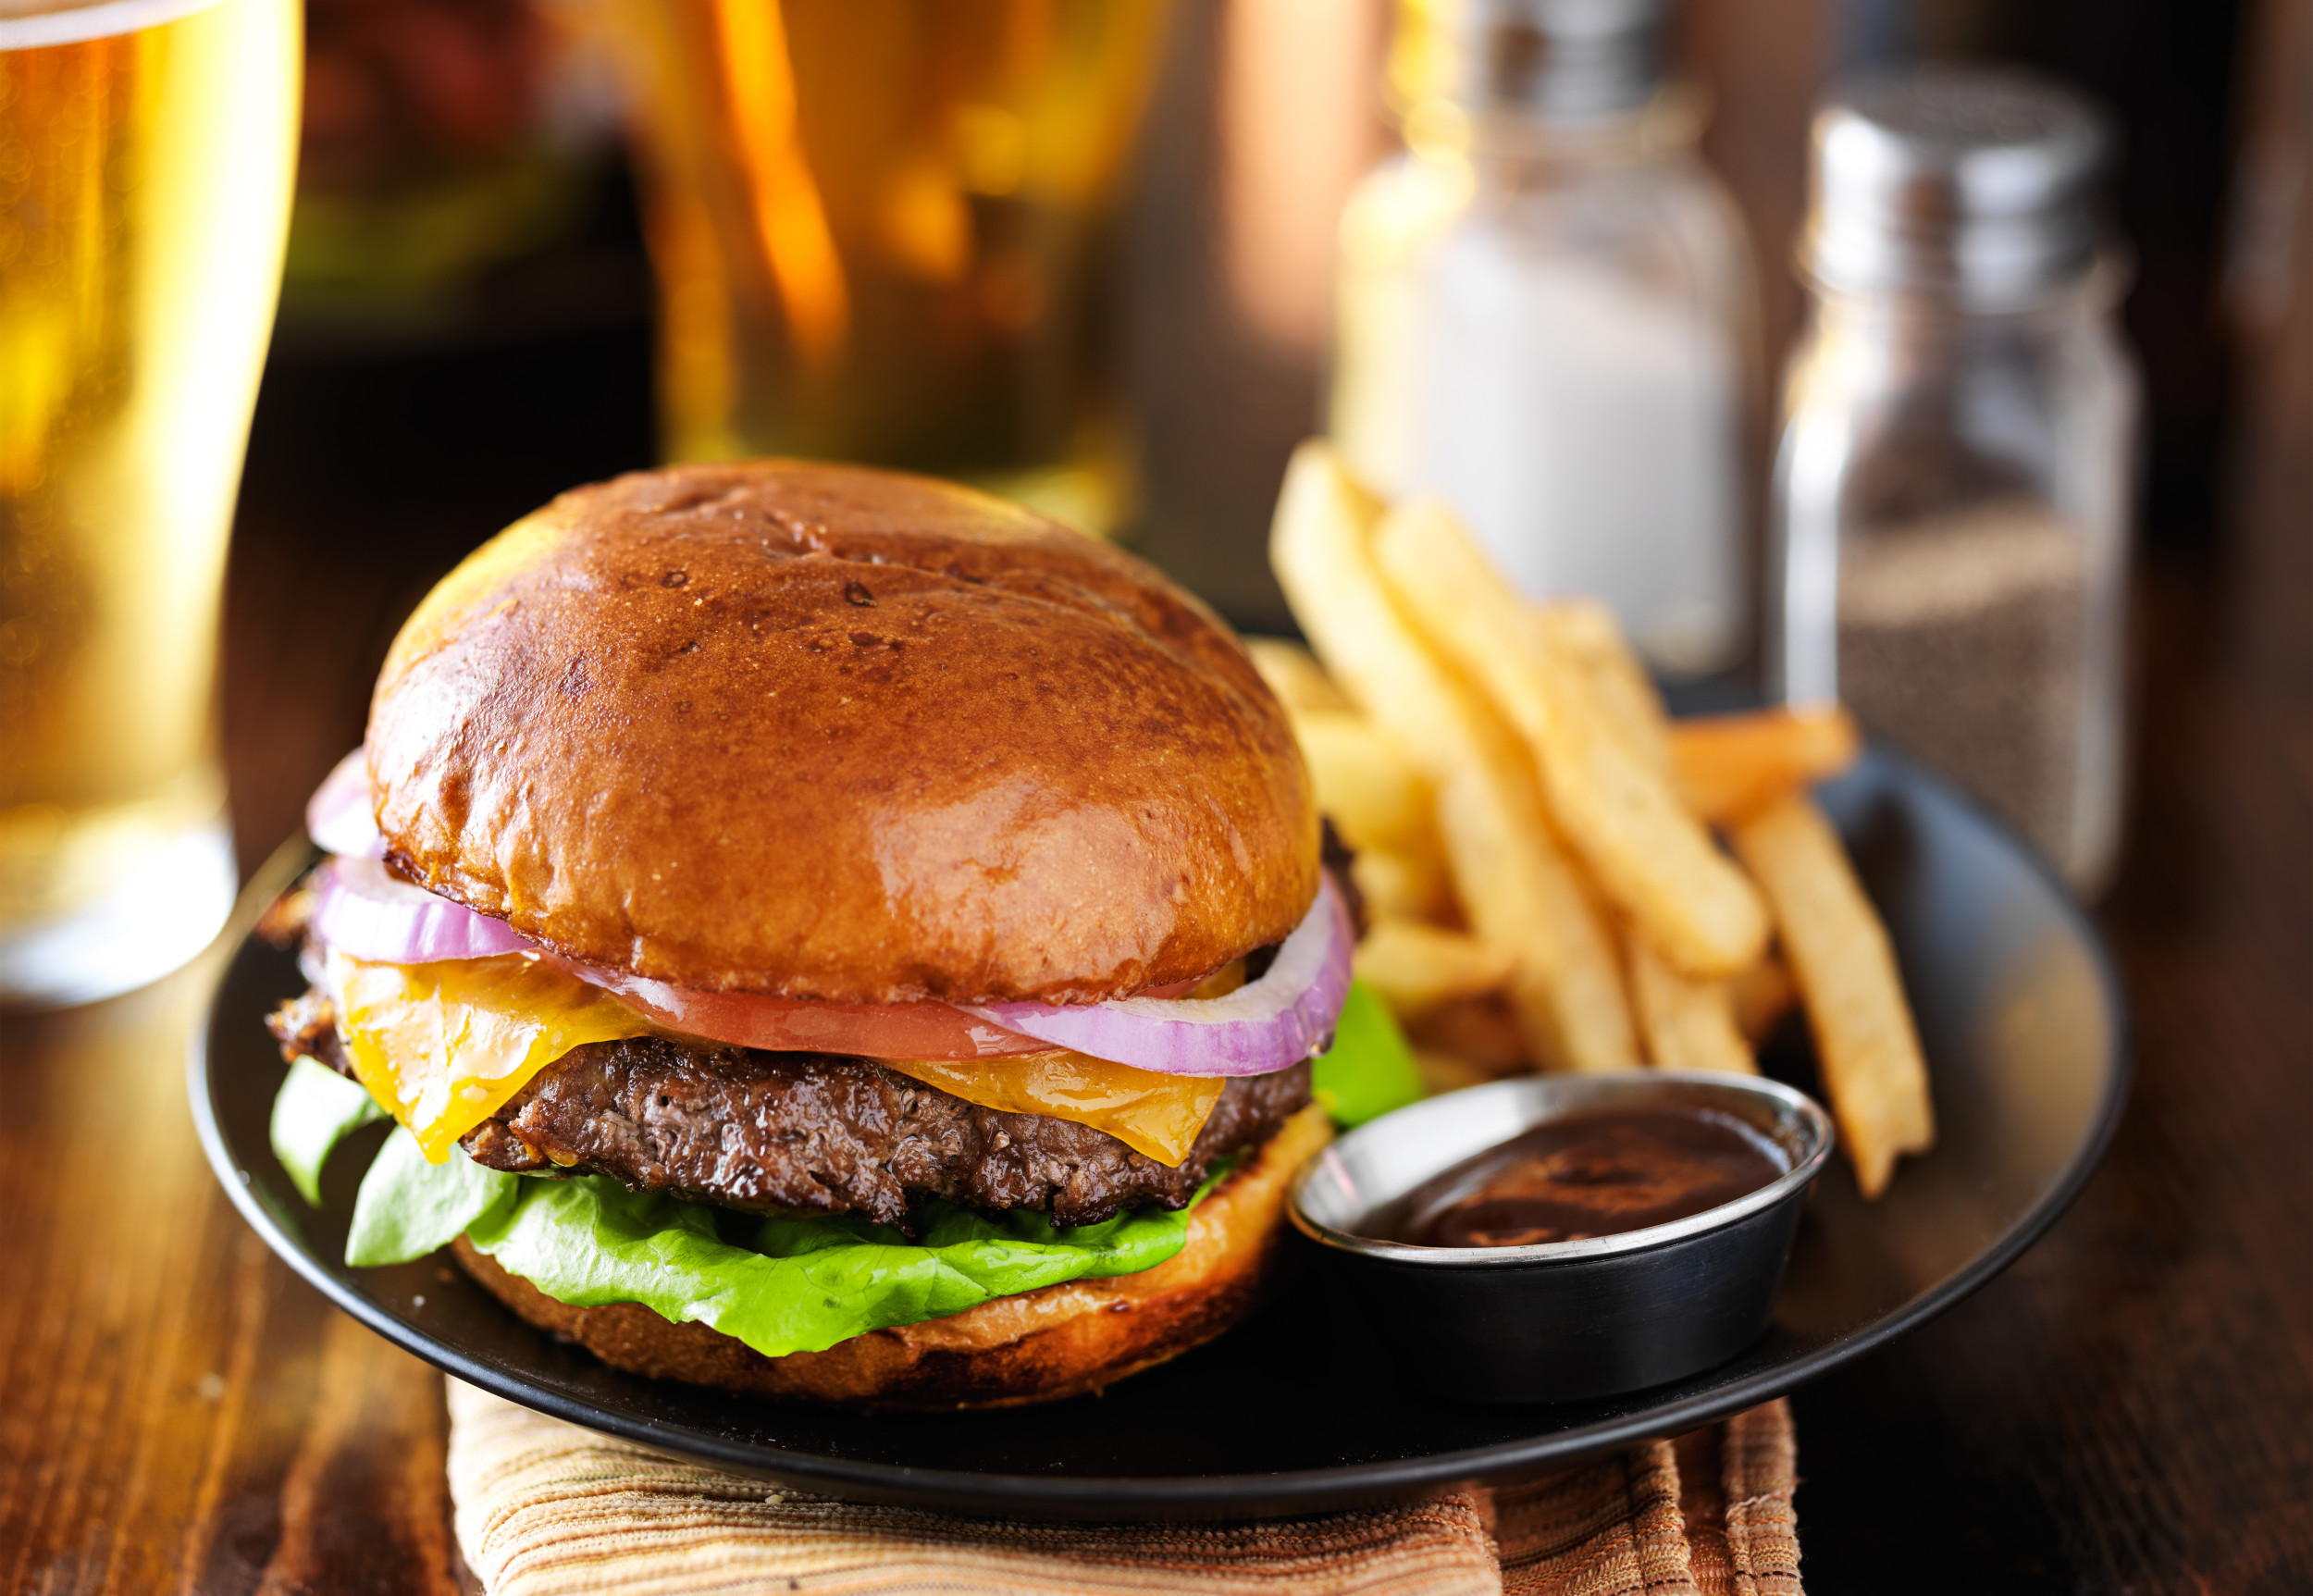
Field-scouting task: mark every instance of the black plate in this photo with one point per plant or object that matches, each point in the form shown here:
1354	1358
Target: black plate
2023	1024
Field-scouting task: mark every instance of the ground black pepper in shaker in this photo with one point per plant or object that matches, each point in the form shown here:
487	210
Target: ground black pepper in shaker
1949	531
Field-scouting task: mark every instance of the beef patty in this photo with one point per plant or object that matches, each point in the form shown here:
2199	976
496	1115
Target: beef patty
818	1133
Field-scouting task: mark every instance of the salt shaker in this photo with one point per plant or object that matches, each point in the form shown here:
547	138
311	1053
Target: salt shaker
1547	317
1949	530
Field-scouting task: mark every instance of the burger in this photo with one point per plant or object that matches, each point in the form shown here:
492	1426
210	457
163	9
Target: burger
824	932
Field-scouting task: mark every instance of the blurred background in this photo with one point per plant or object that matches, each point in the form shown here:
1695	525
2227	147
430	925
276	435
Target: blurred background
469	322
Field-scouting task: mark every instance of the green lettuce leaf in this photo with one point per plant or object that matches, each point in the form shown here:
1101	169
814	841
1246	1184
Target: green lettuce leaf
785	1285
1369	1069
799	1285
315	1110
407	1206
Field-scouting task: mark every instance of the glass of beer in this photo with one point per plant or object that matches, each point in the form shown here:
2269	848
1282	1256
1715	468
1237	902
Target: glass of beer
882	230
146	154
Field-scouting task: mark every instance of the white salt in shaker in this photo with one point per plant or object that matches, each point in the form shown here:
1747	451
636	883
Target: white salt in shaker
1949	539
1547	317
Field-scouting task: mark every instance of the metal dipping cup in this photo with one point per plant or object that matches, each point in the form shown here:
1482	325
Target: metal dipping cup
1561	1320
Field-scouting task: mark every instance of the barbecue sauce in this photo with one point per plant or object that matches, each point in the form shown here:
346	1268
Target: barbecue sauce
1583	1176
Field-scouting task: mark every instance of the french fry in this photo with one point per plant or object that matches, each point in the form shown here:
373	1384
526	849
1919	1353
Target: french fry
1378	803
1482	1031
1401	885
1587	632
1517	888
1650	858
1444	1072
1375	798
1763	993
1846	970
1686	1024
1728	766
1294	676
1417	967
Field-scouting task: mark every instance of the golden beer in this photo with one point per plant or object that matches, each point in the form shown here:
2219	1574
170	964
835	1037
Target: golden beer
881	229
146	154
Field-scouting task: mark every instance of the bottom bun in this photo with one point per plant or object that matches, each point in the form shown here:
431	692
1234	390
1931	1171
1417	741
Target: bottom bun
1041	1345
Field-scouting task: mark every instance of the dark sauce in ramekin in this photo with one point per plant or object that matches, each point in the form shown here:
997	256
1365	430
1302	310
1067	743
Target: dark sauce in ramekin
1598	1174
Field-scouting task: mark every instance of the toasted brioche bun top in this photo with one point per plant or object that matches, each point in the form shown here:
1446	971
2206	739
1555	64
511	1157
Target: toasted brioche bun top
824	732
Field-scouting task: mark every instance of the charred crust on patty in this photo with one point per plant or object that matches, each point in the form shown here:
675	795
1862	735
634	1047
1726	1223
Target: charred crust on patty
818	1135
307	1027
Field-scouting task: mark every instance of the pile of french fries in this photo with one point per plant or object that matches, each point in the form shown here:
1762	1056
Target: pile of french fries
1534	839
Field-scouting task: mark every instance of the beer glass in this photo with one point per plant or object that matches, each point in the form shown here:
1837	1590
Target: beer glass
880	229
146	154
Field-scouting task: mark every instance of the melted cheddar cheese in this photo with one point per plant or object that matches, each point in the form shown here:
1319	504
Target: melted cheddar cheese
1152	1113
443	1046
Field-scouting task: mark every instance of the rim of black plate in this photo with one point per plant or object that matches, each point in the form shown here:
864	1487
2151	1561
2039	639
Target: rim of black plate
1239	1495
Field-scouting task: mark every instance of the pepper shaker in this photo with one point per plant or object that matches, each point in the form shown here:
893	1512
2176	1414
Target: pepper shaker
1949	527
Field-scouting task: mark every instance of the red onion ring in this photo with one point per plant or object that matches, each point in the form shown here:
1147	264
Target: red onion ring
1267	1025
339	816
362	911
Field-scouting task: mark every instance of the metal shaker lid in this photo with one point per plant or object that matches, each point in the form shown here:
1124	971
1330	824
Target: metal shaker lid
1570	61
1979	185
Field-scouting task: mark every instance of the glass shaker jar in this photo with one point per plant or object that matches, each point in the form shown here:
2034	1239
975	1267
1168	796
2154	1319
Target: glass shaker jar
1949	538
1547	316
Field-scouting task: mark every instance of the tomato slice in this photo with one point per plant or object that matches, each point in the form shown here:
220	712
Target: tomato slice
861	1029
789	1025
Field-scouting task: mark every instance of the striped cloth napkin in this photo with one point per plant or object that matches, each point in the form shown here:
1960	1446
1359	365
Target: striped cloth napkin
546	1508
